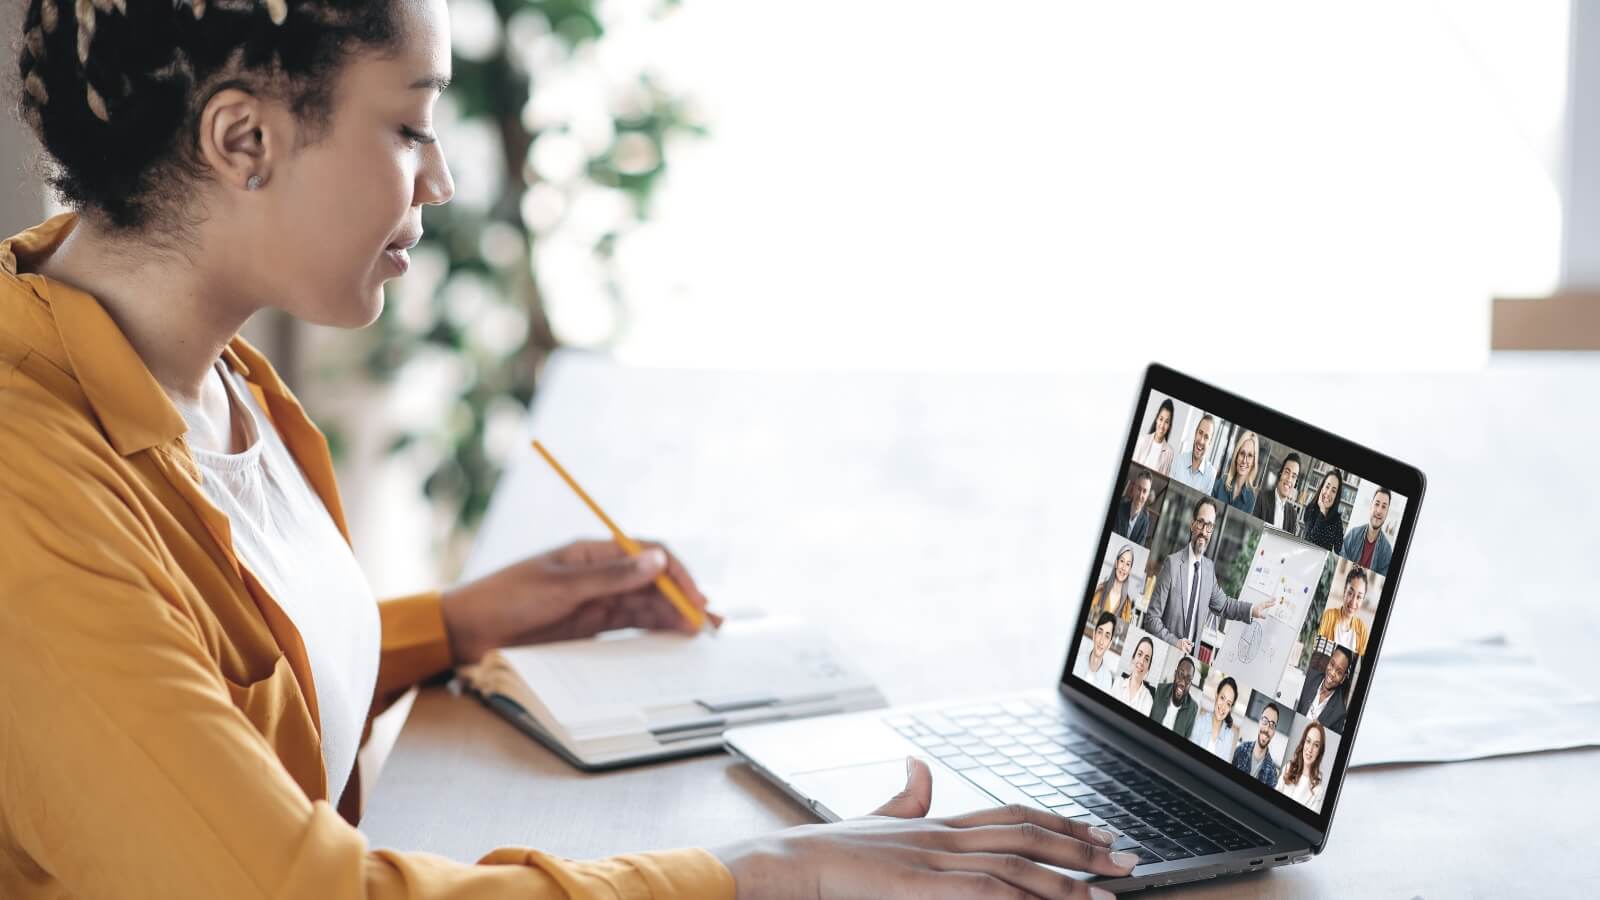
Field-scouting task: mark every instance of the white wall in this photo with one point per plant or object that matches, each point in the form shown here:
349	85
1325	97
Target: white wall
1030	185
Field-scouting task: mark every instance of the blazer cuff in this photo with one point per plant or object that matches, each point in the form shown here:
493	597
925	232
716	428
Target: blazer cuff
415	644
691	874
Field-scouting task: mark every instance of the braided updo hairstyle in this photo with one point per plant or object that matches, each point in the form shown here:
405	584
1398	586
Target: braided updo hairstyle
114	89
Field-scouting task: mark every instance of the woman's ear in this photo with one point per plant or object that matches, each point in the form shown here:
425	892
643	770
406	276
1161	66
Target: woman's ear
237	140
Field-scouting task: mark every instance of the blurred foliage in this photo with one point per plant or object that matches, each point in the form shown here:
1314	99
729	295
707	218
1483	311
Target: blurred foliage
496	361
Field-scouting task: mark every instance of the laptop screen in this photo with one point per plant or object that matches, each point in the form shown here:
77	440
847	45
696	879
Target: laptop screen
1235	600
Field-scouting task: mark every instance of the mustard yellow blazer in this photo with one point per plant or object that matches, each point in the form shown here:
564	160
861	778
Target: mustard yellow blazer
158	723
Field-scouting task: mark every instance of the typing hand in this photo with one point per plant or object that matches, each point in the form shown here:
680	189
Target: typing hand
896	854
575	591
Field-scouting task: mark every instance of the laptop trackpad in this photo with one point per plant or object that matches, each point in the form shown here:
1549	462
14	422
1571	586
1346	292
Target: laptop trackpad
851	791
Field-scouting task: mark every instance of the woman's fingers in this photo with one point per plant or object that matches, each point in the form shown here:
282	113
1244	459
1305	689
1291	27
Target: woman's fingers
1040	844
1017	873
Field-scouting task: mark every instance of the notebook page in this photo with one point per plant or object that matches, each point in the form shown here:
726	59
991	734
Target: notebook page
630	683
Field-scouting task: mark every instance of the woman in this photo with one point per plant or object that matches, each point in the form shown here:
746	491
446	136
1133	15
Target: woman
1217	733
1302	777
1135	692
1339	623
1095	666
192	654
1323	524
1113	594
1154	450
1233	486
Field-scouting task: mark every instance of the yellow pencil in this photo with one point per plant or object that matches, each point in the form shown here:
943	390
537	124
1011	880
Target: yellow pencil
632	547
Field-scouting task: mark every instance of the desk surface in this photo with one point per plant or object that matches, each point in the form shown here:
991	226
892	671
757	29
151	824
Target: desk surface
882	505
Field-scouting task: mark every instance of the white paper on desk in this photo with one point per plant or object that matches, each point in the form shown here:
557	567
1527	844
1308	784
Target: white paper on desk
1470	701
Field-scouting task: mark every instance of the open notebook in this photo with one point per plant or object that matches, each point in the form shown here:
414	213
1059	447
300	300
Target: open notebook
633	697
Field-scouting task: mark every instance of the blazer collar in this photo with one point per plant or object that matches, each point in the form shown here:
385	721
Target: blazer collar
135	413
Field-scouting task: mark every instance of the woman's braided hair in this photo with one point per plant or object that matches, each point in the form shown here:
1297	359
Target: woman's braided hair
114	88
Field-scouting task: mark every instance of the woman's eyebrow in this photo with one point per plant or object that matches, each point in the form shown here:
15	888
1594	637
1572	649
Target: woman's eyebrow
436	82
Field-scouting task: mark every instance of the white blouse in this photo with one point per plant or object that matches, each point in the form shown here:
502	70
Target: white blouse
284	534
1141	701
1302	791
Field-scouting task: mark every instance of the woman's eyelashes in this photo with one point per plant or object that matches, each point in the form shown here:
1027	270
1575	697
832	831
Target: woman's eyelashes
414	137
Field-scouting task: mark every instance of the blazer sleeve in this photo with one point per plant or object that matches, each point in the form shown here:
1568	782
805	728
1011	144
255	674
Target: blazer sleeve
129	772
414	646
1155	615
1223	605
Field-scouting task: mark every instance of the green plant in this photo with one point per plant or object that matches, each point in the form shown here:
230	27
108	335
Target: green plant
473	303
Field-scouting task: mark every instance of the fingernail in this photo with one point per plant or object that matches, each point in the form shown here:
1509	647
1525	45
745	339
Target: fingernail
654	558
1101	894
1125	859
1102	835
909	768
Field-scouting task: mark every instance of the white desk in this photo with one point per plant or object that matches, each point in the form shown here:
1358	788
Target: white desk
941	525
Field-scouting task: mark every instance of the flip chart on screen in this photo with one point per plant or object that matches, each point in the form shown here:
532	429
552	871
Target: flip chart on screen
1256	652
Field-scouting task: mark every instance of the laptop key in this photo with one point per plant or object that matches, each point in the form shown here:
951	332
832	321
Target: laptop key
1168	849
1061	780
1145	855
991	759
960	763
1199	846
1087	818
1123	842
1080	790
1038	789
1006	770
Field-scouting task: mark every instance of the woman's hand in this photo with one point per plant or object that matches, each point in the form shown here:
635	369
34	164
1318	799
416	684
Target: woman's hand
576	591
895	854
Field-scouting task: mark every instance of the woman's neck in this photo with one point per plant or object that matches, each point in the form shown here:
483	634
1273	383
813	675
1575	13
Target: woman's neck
173	316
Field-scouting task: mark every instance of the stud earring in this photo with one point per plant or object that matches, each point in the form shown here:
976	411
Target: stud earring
252	183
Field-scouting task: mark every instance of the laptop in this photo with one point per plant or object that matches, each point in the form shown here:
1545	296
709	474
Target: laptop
1226	638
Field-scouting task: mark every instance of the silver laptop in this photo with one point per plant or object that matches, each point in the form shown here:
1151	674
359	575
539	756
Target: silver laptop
1229	628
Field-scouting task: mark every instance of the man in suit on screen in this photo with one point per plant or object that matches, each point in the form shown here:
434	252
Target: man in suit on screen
1187	590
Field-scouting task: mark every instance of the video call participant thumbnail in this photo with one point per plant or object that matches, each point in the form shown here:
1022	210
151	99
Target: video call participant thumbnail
1325	693
1132	520
1217	732
1187	589
1302	772
1116	594
1193	471
1172	705
1154	449
1234	484
1255	758
1096	666
1279	508
1339	623
1323	525
1367	545
1134	689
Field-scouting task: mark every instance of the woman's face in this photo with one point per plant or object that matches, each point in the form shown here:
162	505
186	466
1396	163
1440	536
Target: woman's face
1163	425
1141	661
1124	566
329	209
1329	492
1244	459
1311	747
1225	697
1355	591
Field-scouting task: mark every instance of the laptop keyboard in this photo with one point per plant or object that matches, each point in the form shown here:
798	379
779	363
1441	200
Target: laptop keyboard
1023	752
